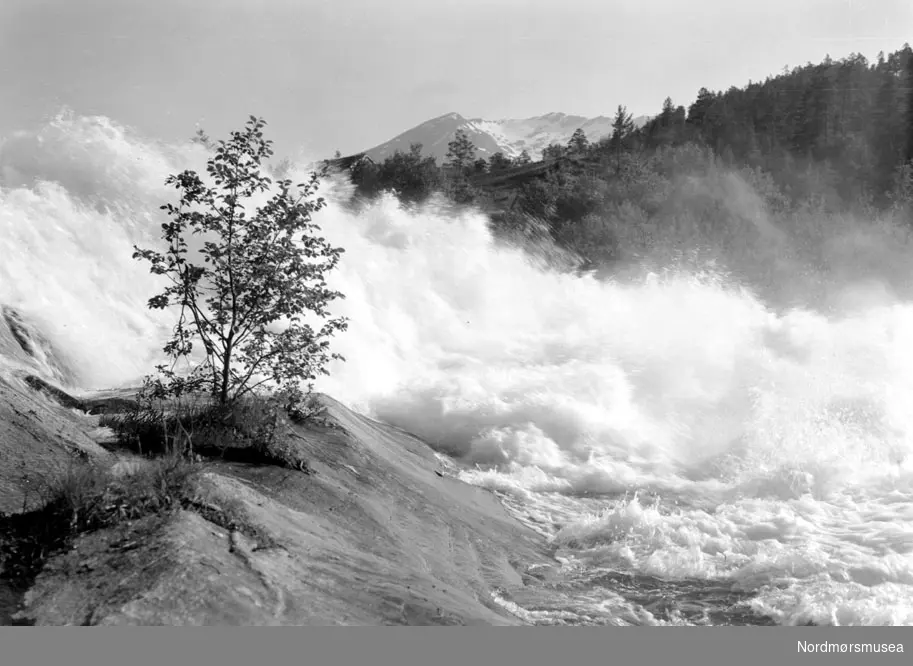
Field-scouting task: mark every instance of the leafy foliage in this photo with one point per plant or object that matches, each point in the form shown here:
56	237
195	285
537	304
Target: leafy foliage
499	162
262	270
411	177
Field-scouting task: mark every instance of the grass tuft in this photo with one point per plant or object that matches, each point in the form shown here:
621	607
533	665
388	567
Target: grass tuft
254	429
85	498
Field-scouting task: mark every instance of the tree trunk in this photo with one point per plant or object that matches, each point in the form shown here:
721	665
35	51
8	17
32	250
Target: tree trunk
226	372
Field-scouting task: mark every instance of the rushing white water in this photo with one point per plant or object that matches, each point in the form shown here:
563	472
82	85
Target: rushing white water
770	450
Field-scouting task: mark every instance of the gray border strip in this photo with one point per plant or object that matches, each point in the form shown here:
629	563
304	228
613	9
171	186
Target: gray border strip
445	646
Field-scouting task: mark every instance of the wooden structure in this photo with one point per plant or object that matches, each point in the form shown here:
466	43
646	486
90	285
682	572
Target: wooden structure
502	187
348	163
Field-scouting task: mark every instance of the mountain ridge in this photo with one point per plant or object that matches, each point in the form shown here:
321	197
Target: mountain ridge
510	136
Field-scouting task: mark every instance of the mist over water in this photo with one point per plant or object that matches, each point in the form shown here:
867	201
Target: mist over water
770	448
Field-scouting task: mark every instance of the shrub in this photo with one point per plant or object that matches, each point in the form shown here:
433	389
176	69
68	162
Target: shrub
250	429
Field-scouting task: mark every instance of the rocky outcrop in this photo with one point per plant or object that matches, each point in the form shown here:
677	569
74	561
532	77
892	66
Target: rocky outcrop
373	530
38	439
377	533
98	403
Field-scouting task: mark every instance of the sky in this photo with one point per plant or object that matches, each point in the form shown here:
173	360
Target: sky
350	74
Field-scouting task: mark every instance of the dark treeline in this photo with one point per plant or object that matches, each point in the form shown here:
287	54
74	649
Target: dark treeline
831	137
849	117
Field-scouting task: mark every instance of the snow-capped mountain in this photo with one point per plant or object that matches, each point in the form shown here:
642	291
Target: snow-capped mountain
510	137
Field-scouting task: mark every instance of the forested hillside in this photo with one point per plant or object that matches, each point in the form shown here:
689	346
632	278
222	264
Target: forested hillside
824	138
849	116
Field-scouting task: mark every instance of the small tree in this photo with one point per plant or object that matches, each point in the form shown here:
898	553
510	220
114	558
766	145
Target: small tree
499	162
461	152
553	151
578	143
909	154
412	177
622	128
668	112
458	165
261	272
523	159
